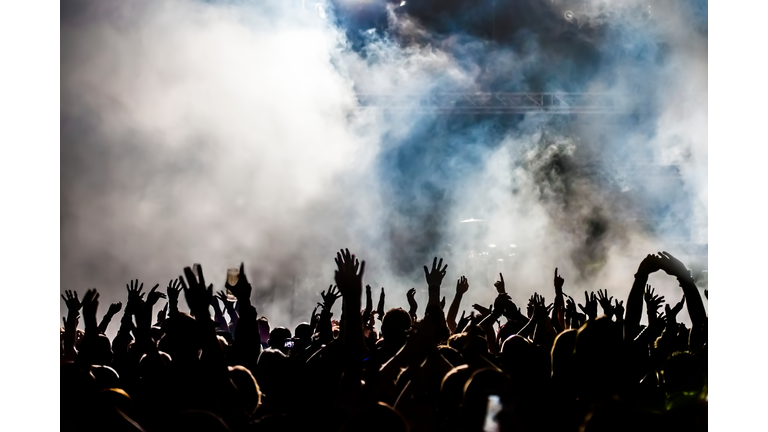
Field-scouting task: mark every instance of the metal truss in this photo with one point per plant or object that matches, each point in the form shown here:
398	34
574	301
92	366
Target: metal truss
498	103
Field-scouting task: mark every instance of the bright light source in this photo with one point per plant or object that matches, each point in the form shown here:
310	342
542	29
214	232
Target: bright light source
402	3
513	245
471	220
491	245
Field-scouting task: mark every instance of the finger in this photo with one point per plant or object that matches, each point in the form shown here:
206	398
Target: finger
362	268
434	264
200	277
440	264
426	272
190	278
183	282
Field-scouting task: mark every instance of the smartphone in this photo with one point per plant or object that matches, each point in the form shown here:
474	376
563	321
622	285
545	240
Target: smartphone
289	344
492	409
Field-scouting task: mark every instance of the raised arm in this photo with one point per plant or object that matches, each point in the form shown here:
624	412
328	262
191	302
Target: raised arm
674	267
70	324
434	309
173	290
247	335
218	315
605	303
349	279
462	286
412	305
380	307
590	305
368	305
114	308
326	327
199	297
650	264
559	300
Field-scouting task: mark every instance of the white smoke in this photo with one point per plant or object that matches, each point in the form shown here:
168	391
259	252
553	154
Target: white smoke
220	133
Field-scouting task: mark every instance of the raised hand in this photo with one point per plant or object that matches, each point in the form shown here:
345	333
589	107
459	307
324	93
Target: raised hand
135	297
154	296
71	300
650	264
618	310
570	312
90	306
242	289
173	290
590	305
540	309
499	285
368	298
482	310
349	274
462	285
380	306
197	294
114	308
221	295
673	266
502	301
435	276
330	298
671	313
559	282
605	302
652	301
412	305
570	305
530	306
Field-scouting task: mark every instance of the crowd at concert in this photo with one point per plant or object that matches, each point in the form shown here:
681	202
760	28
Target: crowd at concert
556	364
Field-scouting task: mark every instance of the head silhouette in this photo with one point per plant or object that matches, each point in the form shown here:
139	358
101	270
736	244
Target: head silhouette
277	338
247	388
180	340
394	326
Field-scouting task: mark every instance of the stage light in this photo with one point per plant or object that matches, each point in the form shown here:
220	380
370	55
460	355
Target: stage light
471	220
568	15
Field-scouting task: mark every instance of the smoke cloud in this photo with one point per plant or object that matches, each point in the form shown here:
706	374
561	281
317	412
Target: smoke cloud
221	132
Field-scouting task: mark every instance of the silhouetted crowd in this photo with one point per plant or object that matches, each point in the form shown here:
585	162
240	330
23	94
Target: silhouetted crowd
558	366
